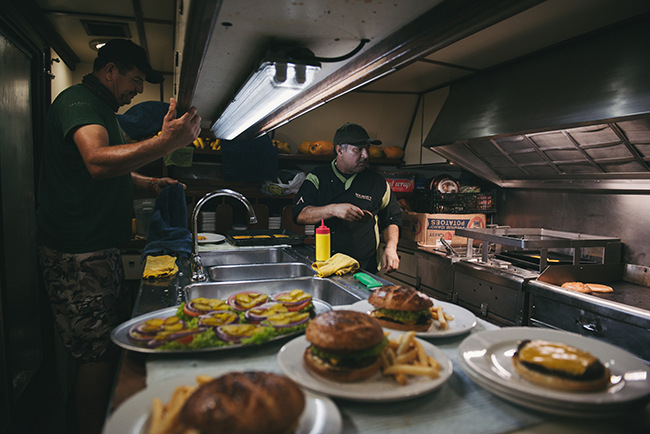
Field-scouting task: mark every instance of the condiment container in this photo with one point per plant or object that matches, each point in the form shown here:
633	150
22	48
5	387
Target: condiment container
323	249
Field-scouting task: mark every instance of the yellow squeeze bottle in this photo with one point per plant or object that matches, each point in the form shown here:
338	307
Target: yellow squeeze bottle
322	242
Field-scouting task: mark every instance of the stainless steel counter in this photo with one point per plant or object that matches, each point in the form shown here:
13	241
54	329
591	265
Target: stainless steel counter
459	406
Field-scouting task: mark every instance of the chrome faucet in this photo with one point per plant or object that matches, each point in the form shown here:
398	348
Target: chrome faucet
196	265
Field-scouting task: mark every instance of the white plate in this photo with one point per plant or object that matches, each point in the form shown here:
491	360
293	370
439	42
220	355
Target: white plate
376	388
463	322
210	238
321	416
488	355
560	409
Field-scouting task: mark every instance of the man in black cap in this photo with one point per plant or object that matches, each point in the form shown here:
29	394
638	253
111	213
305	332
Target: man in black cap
85	196
356	202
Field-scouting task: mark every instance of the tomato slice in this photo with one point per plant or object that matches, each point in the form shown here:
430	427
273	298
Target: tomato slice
186	339
298	307
189	312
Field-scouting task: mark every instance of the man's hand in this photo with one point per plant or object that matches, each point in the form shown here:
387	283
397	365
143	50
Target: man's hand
182	131
347	211
161	183
389	260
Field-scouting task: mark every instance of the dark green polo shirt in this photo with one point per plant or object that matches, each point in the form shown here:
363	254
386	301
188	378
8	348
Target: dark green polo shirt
369	191
76	213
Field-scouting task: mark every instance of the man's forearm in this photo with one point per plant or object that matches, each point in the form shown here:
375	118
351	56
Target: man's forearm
314	214
391	236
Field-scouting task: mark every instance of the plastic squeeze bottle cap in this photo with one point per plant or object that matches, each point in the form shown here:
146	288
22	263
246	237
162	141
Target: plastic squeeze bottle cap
322	229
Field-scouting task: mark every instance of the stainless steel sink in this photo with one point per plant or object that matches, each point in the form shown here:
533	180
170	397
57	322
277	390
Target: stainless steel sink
286	270
322	289
245	256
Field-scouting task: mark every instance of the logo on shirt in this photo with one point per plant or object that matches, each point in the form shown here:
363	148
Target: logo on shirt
363	196
300	200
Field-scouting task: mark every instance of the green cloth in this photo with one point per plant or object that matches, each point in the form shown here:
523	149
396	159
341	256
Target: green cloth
181	157
76	213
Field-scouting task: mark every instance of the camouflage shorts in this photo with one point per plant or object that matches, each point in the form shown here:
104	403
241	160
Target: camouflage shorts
84	292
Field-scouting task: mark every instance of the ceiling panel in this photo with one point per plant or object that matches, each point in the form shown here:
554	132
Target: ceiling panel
541	26
66	15
329	28
417	77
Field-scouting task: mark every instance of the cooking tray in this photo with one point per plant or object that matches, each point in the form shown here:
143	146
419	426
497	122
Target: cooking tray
267	237
120	335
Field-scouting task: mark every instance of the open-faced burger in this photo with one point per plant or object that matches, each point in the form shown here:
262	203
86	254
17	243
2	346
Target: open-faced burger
236	333
278	316
559	366
218	318
295	300
201	306
243	301
155	332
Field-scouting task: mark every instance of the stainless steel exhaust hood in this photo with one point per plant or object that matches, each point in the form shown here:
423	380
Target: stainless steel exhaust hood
577	116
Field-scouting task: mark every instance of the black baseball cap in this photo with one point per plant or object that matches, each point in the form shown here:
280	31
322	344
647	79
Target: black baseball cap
123	50
353	134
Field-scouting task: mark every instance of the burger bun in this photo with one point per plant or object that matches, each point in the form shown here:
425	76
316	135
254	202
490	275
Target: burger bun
250	402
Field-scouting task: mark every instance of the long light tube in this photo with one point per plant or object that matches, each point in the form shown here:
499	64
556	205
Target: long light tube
270	86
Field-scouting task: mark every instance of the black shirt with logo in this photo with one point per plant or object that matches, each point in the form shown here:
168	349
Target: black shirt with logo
367	190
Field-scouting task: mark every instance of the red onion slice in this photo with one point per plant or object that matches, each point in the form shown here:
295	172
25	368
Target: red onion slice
223	334
258	314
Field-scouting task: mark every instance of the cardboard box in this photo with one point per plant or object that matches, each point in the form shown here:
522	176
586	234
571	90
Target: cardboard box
428	228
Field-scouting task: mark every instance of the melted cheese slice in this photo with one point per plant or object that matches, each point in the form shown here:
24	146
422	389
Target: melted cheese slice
557	356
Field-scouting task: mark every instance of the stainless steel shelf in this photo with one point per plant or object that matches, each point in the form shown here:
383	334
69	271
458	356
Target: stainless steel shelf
542	239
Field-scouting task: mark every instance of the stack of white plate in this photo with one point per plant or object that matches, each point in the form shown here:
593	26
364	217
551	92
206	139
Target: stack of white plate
275	222
486	357
309	229
208	222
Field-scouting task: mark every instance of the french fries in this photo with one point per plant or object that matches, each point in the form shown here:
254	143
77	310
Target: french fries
406	357
165	417
442	317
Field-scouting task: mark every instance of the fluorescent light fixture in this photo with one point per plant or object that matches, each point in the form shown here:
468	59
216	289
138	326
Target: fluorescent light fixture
268	88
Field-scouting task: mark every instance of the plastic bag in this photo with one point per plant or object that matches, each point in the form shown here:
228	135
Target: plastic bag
291	185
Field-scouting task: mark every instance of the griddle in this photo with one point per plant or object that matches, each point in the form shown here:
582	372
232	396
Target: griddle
625	293
530	259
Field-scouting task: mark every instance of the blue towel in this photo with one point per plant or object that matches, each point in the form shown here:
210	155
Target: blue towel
249	160
168	233
143	120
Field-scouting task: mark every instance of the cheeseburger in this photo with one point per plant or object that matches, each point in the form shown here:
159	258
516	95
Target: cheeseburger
250	402
345	346
401	308
559	366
